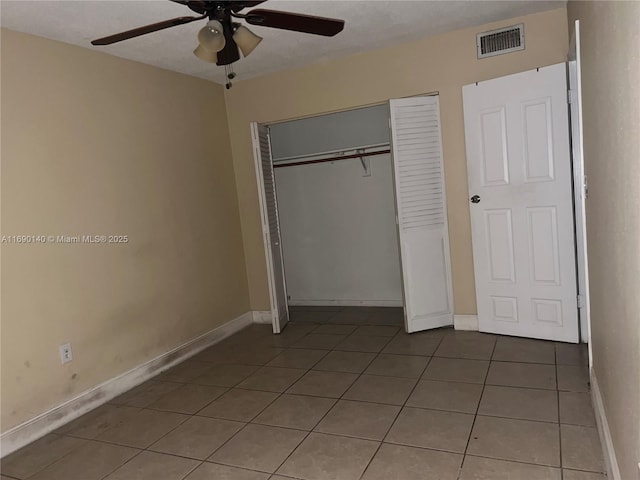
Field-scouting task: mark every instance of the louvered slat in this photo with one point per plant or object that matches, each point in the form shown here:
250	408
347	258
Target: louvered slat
417	155
269	186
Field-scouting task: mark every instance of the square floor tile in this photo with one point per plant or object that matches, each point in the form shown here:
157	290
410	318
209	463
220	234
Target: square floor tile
143	429
362	343
297	358
295	411
319	341
311	317
145	394
531	375
290	335
433	429
323	384
152	466
225	375
272	379
573	379
335	329
525	350
413	344
98	421
348	362
359	419
524	403
577	475
213	471
407	366
34	457
387	316
240	405
572	354
409	463
188	398
198	437
185	371
377	330
581	449
516	440
374	388
576	409
456	370
469	345
352	317
92	461
253	356
451	396
258	447
477	468
327	457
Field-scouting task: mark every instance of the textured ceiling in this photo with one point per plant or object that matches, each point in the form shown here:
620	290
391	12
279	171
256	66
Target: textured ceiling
369	25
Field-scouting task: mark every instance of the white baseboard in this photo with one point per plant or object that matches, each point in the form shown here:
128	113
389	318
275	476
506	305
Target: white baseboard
262	316
345	303
465	322
610	460
33	429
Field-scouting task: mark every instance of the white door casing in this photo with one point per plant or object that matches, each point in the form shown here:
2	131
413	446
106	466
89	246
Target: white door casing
270	226
518	162
579	180
421	212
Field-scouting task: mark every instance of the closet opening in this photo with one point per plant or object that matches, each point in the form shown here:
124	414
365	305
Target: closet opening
349	211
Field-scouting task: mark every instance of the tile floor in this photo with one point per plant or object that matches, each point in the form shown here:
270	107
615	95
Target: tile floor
342	394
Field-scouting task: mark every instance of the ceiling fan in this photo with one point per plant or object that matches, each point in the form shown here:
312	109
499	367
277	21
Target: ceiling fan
222	37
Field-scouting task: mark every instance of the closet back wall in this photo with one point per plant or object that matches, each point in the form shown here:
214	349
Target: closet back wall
339	234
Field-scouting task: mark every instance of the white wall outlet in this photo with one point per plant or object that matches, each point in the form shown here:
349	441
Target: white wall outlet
66	355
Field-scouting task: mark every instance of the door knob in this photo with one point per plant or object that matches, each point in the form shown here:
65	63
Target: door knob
276	243
475	199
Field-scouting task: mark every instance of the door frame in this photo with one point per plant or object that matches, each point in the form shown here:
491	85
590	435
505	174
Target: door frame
579	182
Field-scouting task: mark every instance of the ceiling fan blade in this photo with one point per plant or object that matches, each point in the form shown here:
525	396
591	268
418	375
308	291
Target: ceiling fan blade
198	6
296	22
236	6
136	32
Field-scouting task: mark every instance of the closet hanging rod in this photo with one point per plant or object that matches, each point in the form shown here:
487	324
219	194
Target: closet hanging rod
332	159
326	153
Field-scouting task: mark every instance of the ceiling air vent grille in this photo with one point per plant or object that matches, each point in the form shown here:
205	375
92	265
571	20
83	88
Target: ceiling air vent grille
503	40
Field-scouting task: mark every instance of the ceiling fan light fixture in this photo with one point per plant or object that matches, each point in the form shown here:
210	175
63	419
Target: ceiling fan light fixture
211	36
246	40
206	55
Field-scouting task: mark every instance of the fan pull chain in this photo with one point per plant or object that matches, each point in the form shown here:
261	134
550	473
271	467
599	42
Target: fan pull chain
228	70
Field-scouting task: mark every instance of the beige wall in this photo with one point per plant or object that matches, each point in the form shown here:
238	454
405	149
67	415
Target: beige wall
444	63
611	102
93	144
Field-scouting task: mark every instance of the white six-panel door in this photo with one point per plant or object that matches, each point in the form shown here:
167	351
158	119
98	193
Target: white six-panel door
421	212
519	167
270	225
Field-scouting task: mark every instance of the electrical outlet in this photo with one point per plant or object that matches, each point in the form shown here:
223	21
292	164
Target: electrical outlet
66	355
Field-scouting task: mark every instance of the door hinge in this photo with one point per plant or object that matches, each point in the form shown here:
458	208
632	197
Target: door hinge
571	96
581	301
585	187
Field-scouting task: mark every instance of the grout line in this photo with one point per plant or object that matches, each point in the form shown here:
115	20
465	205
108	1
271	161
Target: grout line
475	416
400	409
555	355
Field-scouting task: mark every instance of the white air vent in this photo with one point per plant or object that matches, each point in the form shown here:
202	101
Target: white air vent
503	40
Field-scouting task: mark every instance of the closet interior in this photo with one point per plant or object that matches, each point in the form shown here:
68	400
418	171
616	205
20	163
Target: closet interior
335	203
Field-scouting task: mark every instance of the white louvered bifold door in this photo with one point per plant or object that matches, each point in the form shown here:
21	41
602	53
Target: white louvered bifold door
421	212
270	226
